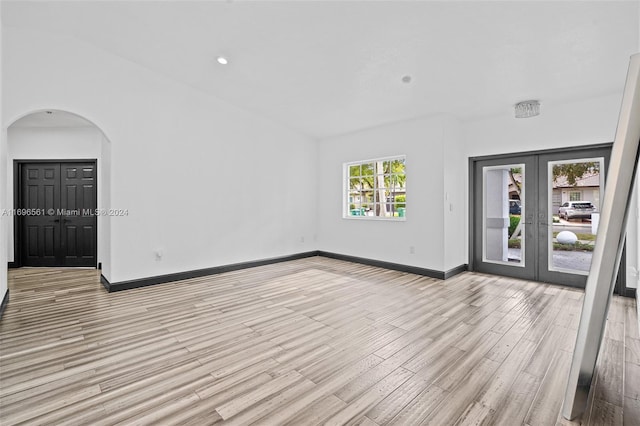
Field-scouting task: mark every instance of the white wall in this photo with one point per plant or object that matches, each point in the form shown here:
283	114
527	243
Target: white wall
210	184
588	122
455	202
204	182
104	198
437	152
3	172
422	141
59	143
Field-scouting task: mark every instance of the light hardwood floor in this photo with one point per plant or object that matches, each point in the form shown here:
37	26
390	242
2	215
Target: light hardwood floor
312	341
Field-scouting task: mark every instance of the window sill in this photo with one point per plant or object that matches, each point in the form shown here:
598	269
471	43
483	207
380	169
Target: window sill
376	218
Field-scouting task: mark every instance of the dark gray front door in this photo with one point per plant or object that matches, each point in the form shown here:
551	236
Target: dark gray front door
504	219
542	183
57	203
575	177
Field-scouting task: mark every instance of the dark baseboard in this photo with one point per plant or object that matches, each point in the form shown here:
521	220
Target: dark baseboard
441	275
455	271
13	265
105	283
179	276
630	292
5	302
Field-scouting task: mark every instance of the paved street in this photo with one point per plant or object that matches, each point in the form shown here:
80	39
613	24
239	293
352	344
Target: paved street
573	260
576	227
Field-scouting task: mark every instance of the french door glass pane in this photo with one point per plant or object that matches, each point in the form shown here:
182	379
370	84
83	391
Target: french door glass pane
575	191
503	206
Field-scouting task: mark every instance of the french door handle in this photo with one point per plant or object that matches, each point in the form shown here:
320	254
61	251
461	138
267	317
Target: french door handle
56	220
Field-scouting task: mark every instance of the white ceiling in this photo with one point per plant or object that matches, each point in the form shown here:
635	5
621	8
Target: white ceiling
326	68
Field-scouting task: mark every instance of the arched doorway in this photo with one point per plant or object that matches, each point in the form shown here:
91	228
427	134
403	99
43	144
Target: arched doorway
65	157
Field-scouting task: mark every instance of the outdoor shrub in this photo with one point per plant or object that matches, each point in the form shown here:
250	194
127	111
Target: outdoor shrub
513	222
573	247
401	200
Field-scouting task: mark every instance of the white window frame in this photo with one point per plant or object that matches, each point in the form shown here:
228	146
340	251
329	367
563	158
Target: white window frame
573	192
346	195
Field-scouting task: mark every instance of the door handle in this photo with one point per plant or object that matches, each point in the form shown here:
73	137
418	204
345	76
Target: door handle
56	220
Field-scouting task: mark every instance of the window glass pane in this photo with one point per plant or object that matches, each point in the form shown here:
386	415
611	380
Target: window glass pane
367	197
367	169
392	182
575	196
398	210
367	182
574	190
376	189
389	180
503	231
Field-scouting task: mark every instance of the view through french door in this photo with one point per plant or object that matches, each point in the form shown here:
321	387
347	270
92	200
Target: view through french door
535	215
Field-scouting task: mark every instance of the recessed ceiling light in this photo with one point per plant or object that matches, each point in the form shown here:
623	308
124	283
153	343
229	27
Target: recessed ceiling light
406	79
222	60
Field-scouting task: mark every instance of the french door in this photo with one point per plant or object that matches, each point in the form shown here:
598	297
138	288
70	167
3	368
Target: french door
535	215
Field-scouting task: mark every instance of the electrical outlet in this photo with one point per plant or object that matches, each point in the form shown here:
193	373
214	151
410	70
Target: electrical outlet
302	239
412	250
